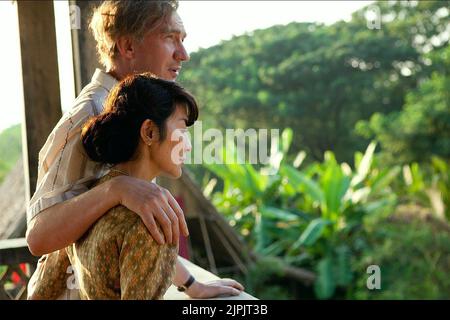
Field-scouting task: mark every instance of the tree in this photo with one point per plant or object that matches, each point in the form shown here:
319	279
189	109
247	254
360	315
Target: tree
319	80
422	128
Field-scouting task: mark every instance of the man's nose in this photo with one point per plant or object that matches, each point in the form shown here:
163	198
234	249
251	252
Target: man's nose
181	53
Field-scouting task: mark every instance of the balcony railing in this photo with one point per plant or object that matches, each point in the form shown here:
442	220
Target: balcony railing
17	265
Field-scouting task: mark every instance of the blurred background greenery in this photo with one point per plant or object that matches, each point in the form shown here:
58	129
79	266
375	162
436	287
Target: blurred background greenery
362	176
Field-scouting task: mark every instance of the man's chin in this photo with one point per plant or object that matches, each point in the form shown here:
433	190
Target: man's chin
173	79
172	76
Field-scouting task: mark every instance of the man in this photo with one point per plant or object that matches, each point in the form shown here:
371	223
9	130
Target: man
132	37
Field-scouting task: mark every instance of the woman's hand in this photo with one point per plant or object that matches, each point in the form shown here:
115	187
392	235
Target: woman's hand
152	203
215	288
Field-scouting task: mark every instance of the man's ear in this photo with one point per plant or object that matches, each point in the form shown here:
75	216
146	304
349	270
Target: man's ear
125	46
149	132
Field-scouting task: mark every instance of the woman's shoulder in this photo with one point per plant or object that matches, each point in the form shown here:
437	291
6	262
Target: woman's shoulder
103	178
120	217
110	228
126	226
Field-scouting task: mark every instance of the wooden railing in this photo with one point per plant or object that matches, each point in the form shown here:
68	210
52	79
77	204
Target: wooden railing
15	257
17	265
201	275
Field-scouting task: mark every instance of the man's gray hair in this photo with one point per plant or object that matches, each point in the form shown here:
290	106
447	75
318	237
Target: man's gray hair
113	19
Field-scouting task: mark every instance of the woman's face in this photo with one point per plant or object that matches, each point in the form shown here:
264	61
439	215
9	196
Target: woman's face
169	154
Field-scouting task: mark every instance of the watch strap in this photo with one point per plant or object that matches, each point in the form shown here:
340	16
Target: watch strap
187	284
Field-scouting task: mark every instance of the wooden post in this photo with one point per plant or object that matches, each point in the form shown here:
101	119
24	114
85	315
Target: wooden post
42	102
83	45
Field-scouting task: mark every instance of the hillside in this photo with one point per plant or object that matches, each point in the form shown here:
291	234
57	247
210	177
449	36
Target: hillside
318	80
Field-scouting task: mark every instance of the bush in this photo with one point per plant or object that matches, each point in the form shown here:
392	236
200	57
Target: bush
411	248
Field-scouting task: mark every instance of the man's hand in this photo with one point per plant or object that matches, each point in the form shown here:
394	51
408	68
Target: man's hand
215	288
152	202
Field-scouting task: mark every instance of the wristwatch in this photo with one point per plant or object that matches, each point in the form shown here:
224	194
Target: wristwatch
187	284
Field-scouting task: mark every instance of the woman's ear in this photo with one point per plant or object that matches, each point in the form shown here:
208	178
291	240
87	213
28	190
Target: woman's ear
125	46
149	132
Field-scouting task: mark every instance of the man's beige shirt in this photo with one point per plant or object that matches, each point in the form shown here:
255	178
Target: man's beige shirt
65	170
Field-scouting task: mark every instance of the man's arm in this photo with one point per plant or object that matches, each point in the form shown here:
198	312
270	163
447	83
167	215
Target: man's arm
62	224
205	290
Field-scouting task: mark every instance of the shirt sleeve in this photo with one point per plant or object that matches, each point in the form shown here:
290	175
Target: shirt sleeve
64	170
146	268
50	278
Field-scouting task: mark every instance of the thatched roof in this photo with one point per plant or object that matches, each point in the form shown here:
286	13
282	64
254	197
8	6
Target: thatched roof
12	203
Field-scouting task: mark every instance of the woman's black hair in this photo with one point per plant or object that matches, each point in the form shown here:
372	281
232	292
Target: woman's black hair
113	136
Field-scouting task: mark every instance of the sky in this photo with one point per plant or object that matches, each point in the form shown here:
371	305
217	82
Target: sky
207	23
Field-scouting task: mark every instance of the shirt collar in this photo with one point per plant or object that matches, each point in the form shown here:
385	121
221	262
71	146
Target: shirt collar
103	79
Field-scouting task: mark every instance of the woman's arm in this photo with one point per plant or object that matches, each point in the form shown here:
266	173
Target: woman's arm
62	224
205	290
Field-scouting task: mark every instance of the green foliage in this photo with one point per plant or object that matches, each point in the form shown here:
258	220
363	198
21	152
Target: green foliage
261	280
320	213
320	80
311	234
305	216
427	186
10	149
413	259
421	129
324	216
3	270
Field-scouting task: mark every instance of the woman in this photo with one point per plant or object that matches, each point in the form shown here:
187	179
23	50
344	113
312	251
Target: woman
140	133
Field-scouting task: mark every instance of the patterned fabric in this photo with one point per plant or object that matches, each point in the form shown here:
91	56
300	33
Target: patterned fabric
49	281
115	259
65	170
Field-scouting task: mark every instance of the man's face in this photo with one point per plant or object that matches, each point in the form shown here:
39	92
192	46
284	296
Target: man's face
162	51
